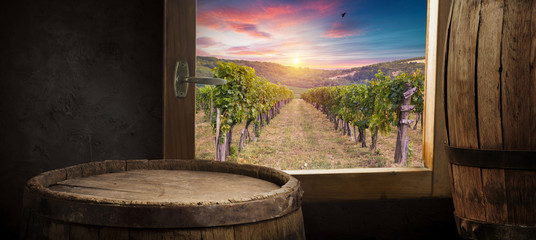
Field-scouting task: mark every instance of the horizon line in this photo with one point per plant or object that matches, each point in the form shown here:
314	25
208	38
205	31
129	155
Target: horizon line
331	68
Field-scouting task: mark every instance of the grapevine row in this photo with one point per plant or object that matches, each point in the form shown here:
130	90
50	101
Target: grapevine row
376	106
245	98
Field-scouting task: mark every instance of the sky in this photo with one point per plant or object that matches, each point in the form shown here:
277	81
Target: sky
312	33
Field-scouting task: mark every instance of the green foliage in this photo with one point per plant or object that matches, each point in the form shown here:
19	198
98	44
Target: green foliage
409	157
234	151
397	90
380	98
204	96
243	98
418	97
378	152
374	105
232	97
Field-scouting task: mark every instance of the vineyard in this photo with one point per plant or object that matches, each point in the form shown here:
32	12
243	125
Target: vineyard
384	103
301	137
249	101
245	98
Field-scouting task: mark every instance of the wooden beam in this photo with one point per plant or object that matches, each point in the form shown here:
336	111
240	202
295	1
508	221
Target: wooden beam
364	183
179	114
441	182
430	84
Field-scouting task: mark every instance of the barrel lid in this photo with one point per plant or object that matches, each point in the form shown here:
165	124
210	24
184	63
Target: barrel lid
167	193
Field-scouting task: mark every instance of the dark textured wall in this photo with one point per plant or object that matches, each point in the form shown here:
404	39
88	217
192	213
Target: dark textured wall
80	81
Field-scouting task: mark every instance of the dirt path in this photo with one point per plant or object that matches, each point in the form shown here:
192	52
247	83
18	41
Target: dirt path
301	137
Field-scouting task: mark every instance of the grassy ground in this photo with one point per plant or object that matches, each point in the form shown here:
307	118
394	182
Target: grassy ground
303	138
298	91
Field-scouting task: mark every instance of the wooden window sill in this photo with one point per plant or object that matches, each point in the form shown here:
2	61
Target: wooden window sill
364	183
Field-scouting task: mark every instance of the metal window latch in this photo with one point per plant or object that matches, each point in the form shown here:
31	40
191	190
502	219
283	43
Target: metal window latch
181	79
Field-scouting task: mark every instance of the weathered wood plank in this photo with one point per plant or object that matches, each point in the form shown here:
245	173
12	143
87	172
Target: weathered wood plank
169	185
258	231
287	227
456	194
533	77
137	164
159	204
115	165
34	229
341	184
170	164
460	76
83	232
93	168
436	122
494	189
488	74
188	234
151	234
446	70
57	230
179	113
521	197
218	233
291	227
518	93
469	189
109	233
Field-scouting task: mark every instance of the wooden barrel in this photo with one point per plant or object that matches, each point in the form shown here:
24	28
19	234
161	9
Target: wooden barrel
163	199
490	109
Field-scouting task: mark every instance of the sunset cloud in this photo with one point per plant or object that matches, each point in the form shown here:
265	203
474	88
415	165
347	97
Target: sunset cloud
322	6
312	30
220	17
240	48
201	52
270	14
244	50
206	42
340	29
275	11
249	29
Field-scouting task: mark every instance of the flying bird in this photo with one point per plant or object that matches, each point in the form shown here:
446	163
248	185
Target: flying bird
343	14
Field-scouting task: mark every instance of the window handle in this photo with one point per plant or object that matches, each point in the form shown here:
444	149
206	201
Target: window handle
181	79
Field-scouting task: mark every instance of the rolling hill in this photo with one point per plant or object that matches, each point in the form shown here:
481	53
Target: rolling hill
309	78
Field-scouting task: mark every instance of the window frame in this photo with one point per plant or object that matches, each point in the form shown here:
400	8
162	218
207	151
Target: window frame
396	183
325	184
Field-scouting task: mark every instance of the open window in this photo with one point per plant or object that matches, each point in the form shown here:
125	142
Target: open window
371	183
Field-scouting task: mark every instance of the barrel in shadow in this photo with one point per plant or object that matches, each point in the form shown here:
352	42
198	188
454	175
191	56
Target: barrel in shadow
163	199
490	108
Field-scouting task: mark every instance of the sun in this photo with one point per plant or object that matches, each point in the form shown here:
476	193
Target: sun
296	61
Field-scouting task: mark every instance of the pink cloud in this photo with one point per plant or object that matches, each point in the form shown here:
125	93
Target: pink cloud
322	6
201	52
249	29
307	12
340	29
243	50
274	11
249	53
232	19
277	15
206	42
220	17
